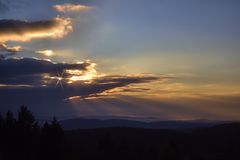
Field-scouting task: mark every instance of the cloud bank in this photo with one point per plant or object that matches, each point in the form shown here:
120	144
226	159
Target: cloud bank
32	66
16	30
77	79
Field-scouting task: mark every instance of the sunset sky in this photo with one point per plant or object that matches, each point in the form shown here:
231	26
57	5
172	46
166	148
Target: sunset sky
157	59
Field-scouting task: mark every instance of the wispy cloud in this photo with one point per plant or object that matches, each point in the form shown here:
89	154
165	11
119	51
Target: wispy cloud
5	48
48	53
8	51
68	7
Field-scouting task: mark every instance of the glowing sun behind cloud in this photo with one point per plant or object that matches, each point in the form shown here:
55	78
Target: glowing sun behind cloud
146	58
87	75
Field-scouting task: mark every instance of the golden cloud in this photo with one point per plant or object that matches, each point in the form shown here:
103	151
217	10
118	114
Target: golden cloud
10	49
48	53
68	7
14	30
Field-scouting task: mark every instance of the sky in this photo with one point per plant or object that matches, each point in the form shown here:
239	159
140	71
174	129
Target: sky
143	59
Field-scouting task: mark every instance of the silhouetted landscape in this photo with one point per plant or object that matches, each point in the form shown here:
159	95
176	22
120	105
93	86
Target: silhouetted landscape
119	80
89	123
23	138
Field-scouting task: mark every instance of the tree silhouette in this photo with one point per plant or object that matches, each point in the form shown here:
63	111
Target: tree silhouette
52	140
10	120
1	121
23	138
25	118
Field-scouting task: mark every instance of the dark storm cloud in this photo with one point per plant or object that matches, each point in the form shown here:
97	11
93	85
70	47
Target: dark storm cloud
32	71
52	92
24	81
38	76
29	66
19	27
26	70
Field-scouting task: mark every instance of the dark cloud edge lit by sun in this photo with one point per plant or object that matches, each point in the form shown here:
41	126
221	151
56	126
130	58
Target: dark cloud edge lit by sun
79	84
35	73
76	80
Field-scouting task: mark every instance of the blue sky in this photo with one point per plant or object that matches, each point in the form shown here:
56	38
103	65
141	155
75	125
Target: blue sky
192	46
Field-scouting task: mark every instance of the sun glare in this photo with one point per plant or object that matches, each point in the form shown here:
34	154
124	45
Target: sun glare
87	75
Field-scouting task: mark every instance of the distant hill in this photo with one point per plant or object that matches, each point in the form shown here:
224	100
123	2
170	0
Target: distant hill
219	142
85	123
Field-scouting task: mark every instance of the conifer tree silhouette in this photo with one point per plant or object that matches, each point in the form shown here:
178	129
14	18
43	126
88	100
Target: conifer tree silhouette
10	120
23	138
25	118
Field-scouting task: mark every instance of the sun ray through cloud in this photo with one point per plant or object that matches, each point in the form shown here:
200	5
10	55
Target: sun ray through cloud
135	57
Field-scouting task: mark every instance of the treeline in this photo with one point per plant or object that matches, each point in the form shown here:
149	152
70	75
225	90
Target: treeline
23	138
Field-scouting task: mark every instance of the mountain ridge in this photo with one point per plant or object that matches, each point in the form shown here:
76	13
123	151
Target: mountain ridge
91	123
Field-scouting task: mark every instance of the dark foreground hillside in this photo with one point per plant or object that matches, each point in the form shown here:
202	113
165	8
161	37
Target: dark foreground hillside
88	123
22	138
221	142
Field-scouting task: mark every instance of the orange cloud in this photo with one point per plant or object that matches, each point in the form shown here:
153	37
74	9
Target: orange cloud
68	7
14	30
